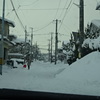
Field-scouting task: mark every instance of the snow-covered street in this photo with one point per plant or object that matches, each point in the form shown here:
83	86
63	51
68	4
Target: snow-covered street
82	77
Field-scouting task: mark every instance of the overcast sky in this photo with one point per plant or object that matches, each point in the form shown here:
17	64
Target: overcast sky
41	13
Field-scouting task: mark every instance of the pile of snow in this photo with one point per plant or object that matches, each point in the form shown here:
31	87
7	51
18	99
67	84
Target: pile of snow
92	43
84	70
82	77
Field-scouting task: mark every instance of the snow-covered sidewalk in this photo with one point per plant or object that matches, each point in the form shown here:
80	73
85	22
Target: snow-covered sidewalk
82	77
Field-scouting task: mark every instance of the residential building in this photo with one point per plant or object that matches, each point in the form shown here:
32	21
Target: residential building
7	43
95	28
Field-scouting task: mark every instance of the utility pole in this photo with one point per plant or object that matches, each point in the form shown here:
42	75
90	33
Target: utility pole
81	26
51	45
56	41
25	44
36	51
1	44
49	50
31	42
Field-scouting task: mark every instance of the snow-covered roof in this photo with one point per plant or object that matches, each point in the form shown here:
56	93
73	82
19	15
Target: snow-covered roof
19	40
14	54
7	40
3	37
64	51
65	42
11	23
98	6
92	43
96	22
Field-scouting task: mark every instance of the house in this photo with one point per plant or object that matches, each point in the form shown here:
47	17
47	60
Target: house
6	42
95	28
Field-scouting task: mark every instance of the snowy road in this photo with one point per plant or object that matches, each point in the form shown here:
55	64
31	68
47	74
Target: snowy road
82	77
39	76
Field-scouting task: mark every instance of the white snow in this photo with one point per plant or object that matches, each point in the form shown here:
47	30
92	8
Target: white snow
9	21
5	37
82	77
96	22
18	54
65	42
92	43
98	6
19	40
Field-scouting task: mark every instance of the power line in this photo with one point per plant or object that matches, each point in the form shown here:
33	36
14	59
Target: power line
17	15
46	9
43	27
63	8
52	9
30	3
11	11
65	26
65	13
57	9
63	34
35	34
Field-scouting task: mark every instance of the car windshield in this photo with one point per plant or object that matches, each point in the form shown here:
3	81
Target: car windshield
50	46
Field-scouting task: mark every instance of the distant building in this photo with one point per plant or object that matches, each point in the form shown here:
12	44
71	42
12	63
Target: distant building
7	43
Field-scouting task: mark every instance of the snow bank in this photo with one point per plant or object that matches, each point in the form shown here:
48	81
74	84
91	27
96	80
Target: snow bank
85	69
82	77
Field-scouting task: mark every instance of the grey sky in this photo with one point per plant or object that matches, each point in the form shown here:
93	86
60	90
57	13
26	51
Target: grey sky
39	13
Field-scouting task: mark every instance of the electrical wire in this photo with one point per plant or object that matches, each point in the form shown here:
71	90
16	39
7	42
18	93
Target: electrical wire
17	15
66	26
40	9
43	27
65	13
45	9
64	8
30	3
57	9
22	12
11	11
